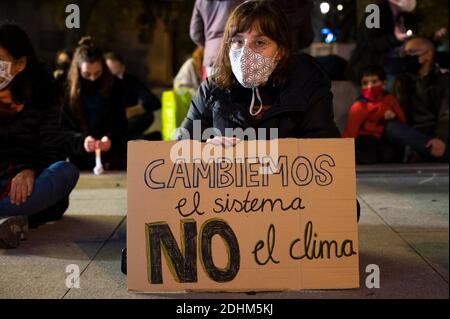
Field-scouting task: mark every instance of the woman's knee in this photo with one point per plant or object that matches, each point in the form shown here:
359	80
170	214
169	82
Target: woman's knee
68	171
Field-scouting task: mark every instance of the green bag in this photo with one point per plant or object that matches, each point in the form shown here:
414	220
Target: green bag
175	105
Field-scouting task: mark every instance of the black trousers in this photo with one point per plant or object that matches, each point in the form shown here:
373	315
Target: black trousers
369	150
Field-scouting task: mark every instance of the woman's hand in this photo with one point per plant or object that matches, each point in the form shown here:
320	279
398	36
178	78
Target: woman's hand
105	144
389	115
89	144
21	187
224	141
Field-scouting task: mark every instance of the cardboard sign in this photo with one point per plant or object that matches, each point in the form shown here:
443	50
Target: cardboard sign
220	221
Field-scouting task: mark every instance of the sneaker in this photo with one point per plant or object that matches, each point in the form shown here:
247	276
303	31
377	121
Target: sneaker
12	231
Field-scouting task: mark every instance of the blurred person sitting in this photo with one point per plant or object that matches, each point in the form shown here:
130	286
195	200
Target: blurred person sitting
422	91
378	46
139	101
62	65
35	181
62	61
189	77
368	117
94	111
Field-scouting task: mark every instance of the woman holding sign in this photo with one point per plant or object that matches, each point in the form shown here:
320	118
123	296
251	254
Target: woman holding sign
259	83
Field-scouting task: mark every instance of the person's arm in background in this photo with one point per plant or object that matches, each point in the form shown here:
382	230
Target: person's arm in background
400	115
356	117
71	133
197	26
149	101
197	112
50	149
186	78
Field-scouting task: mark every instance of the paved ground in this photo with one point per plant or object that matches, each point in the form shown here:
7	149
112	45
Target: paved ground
403	229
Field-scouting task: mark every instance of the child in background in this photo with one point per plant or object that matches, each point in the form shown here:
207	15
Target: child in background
368	117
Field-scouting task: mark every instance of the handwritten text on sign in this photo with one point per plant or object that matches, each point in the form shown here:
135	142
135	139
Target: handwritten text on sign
222	222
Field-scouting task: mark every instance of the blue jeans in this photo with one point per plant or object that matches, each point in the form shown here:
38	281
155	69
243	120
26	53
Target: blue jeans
51	186
405	135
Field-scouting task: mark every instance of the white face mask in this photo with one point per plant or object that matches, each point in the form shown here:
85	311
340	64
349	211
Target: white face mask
251	69
5	74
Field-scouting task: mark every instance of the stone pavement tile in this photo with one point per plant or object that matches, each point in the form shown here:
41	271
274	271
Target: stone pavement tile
102	201
37	269
416	207
408	203
403	273
433	247
103	278
110	179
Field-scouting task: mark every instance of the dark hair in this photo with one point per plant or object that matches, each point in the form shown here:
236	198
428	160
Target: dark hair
272	22
33	81
88	52
374	70
114	57
426	41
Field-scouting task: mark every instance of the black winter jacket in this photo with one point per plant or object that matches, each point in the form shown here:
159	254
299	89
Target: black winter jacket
31	138
303	108
112	123
425	101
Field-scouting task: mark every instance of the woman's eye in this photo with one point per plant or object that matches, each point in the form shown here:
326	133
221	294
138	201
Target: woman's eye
260	43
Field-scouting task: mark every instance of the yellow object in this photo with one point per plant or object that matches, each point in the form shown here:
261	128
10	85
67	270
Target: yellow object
175	105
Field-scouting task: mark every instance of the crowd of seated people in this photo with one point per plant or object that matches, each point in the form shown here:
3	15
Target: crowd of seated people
92	105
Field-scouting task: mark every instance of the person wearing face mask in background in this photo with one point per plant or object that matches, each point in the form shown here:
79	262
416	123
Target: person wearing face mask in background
422	91
35	182
259	84
94	111
368	117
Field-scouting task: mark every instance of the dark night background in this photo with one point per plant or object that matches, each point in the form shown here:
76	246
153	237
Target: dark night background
153	35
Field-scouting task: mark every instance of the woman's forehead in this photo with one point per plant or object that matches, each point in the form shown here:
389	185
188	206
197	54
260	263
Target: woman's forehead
5	56
254	29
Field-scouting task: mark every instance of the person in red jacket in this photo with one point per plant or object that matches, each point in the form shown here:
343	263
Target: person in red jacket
368	117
